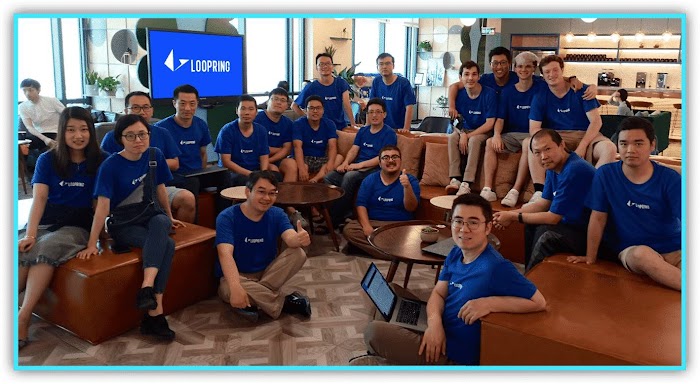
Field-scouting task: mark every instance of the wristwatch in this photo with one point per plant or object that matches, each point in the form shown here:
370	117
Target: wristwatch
520	217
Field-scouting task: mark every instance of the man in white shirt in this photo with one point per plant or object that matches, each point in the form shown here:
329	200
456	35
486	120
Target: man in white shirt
40	115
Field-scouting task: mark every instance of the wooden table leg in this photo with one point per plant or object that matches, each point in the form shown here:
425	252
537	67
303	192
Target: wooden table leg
329	223
437	274
23	171
409	267
392	270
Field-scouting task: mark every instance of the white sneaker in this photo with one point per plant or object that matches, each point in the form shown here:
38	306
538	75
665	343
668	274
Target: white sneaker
511	198
463	189
488	194
452	187
535	196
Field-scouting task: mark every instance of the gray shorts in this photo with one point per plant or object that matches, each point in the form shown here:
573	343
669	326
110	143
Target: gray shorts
513	141
172	191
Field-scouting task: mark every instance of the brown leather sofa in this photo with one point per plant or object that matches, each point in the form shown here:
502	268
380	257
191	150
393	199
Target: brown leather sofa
96	299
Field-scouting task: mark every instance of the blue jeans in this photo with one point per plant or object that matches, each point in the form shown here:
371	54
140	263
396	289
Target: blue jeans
157	248
350	182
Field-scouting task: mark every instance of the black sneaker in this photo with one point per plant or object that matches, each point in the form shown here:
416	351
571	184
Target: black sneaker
249	313
297	303
156	326
146	299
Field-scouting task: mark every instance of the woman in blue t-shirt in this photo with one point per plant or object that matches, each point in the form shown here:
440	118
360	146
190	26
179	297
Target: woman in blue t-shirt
61	211
121	181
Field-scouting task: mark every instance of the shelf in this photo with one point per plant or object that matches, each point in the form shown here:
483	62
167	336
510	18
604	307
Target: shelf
340	38
623	62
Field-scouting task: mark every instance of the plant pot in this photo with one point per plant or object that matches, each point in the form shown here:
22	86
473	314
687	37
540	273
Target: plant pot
91	89
106	93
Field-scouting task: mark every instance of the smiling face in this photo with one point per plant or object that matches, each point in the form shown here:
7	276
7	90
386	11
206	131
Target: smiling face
277	104
376	115
262	197
550	155
525	70
500	66
247	111
635	147
314	110
140	136
324	66
77	134
390	161
470	77
472	235
140	105
553	74
185	105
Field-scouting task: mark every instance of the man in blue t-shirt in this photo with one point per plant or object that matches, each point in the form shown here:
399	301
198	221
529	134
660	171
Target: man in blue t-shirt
315	142
362	158
334	91
475	281
242	144
557	222
250	270
577	121
384	197
279	134
182	201
642	199
477	106
397	93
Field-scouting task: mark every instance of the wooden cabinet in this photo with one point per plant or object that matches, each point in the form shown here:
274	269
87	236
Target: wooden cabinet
601	49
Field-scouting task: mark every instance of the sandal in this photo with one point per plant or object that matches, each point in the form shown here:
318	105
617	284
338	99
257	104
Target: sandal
321	230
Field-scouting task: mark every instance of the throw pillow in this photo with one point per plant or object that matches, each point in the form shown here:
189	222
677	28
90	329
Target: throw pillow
435	171
345	140
411	151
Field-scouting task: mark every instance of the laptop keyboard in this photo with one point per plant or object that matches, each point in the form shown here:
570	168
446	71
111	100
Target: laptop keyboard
408	312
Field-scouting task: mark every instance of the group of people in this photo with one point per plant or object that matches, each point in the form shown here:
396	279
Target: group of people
504	110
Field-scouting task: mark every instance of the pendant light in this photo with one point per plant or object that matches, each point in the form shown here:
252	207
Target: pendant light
591	34
615	36
468	21
666	36
639	35
570	35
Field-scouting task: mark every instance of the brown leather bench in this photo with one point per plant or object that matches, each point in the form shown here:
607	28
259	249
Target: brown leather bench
96	299
598	314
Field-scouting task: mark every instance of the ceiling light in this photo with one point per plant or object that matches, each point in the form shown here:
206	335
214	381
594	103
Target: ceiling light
666	36
591	36
639	36
589	19
468	21
615	37
340	18
569	37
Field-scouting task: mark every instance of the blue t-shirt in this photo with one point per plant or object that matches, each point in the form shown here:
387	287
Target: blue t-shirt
568	190
639	214
488	275
244	151
254	243
371	143
74	191
397	97
514	107
190	140
277	133
385	202
160	138
118	177
489	80
566	114
476	111
314	142
332	96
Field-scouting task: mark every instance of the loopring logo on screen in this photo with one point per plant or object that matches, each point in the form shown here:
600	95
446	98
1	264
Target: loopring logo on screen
198	65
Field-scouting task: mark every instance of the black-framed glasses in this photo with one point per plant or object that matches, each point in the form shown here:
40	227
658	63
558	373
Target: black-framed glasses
132	136
315	108
502	63
473	225
387	157
139	108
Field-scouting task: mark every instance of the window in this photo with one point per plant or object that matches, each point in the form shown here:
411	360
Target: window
266	53
367	45
395	44
373	37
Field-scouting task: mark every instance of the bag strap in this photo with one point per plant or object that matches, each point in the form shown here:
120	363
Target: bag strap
149	190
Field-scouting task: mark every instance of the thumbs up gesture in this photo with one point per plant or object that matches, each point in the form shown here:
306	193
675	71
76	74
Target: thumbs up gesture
302	236
403	179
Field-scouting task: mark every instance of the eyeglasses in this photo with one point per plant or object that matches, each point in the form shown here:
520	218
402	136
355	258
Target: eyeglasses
392	157
375	112
473	225
502	63
278	99
132	136
139	108
325	64
315	108
263	193
384	63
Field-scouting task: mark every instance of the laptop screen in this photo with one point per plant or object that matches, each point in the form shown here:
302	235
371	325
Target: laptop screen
379	291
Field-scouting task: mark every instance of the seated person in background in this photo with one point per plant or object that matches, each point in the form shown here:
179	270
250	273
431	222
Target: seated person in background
643	201
475	281
477	105
619	99
242	144
190	133
396	91
556	223
315	142
362	158
122	180
384	197
577	120
512	128
40	114
252	272
279	134
283	84
61	212
182	201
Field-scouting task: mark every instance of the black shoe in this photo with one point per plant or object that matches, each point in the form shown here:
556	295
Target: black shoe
297	303
146	299
249	313
156	326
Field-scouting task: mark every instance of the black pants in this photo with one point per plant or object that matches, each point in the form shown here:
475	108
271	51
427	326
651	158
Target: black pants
542	241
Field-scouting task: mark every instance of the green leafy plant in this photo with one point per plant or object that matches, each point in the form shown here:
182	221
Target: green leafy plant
331	50
109	83
91	77
442	101
425	46
347	74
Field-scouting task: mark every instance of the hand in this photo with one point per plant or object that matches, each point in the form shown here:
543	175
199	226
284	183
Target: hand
26	243
367	230
502	219
50	143
453	113
578	259
404	130
87	253
497	143
463	141
353	167
433	343
581	152
342	168
474	310
591	92
302	235
403	179
304	173
239	297
177	223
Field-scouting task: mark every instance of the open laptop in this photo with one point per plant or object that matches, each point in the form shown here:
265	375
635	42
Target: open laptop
409	314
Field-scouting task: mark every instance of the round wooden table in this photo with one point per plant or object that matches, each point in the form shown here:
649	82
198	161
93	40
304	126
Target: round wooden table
401	241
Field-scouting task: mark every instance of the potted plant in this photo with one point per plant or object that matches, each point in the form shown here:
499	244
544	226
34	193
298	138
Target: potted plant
91	87
348	75
108	85
425	46
441	101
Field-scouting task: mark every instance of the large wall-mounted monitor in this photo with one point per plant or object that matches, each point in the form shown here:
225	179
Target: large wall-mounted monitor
212	63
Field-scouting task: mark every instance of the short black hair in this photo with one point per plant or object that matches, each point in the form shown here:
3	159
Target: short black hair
635	122
280	91
554	135
284	84
501	51
247	98
312	98
384	56
323	54
185	88
136	93
377	101
257	175
30	83
125	122
469	64
474	200
389	147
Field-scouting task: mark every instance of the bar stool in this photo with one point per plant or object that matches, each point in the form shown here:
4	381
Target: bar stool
676	121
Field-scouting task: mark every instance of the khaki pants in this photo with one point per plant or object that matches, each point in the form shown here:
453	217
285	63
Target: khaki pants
474	148
354	235
264	287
